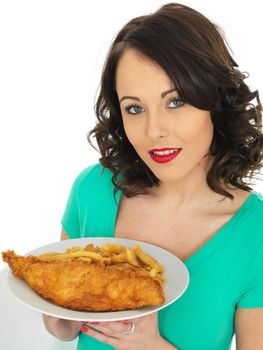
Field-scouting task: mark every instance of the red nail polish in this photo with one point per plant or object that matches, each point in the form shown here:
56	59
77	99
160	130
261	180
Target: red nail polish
83	329
93	322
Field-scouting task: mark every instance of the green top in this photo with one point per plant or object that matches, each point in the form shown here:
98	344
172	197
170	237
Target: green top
225	273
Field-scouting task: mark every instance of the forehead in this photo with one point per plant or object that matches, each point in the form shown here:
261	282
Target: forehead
137	72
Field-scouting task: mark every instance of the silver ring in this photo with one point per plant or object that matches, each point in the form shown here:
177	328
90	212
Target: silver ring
132	328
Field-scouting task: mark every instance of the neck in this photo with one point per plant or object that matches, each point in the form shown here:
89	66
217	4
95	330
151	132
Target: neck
189	192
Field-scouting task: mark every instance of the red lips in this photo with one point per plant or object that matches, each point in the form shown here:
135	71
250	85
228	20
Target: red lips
164	149
166	157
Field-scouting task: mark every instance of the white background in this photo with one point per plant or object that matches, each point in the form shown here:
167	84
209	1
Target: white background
51	58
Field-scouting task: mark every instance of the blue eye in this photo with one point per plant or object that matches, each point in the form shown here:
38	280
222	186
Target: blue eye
128	108
137	109
178	102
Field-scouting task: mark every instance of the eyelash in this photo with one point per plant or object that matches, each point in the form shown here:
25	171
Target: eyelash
173	99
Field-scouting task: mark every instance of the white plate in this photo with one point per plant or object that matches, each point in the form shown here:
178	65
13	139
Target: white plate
177	280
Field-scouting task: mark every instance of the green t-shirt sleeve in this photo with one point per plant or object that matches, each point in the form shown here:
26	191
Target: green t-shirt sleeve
71	219
252	295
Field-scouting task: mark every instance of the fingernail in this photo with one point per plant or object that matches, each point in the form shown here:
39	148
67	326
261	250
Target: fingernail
88	322
83	329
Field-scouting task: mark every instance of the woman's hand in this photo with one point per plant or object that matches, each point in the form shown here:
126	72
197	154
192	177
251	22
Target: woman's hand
145	335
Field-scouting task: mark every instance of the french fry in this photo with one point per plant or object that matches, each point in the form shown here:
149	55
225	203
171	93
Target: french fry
119	258
131	257
145	258
73	249
49	256
111	254
112	248
86	260
90	248
92	255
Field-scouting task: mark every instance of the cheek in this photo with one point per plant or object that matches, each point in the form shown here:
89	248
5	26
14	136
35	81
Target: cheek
199	134
207	130
133	134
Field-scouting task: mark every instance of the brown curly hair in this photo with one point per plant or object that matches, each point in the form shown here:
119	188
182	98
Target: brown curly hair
180	39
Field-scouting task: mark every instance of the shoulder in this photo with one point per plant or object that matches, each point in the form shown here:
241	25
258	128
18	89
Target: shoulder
259	198
95	181
257	211
250	219
91	175
248	202
255	205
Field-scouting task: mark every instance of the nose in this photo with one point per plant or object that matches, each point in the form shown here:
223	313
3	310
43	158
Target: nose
155	126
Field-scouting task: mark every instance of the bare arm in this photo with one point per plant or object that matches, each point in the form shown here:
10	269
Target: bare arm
249	328
62	329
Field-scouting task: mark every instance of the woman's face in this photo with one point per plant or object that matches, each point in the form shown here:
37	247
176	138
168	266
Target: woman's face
153	119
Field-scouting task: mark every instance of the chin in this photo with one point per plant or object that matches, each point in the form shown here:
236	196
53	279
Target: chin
166	175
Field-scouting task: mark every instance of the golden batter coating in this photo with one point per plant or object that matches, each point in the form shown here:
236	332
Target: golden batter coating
86	285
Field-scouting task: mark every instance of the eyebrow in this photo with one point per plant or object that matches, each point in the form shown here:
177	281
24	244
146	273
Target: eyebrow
163	94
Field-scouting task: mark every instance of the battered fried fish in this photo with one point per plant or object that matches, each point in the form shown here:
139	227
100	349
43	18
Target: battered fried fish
78	285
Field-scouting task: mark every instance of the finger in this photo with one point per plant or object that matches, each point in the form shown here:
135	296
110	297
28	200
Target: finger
106	321
101	336
88	322
113	330
106	330
117	326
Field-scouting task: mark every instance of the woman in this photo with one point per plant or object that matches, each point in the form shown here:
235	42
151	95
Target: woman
178	137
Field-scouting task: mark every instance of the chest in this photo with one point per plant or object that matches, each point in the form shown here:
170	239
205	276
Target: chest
181	234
